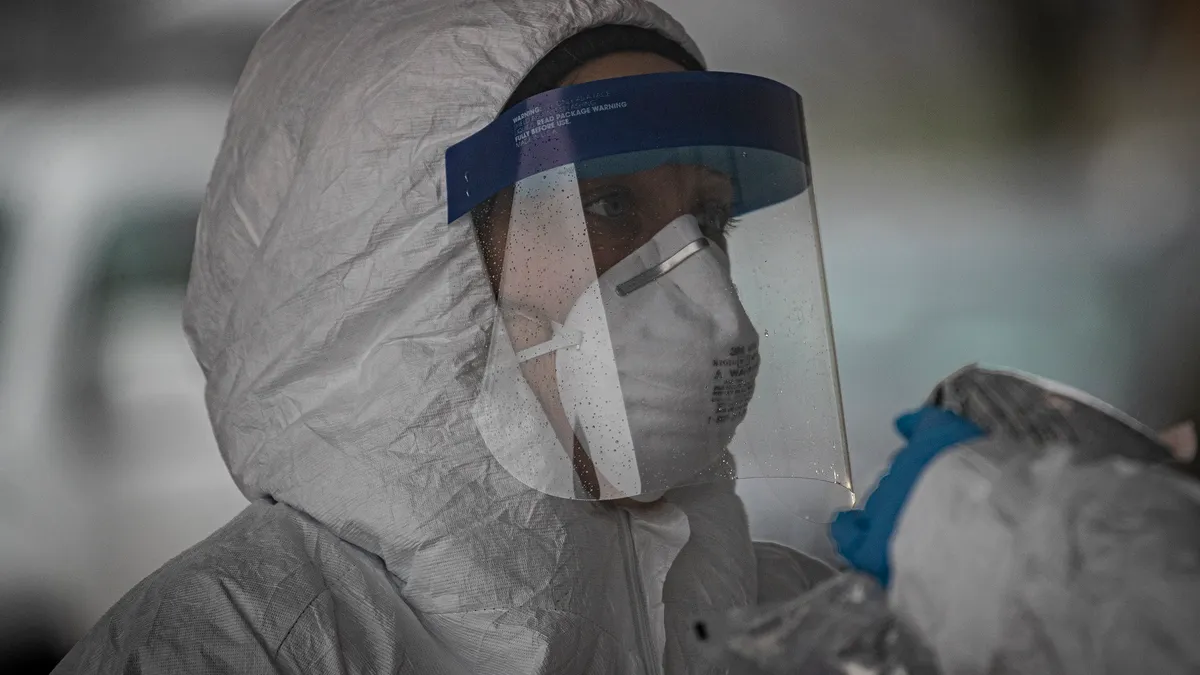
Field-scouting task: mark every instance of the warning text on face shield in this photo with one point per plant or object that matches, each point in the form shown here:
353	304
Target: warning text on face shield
533	122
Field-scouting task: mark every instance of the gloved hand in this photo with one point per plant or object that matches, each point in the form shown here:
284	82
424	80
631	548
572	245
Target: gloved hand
862	536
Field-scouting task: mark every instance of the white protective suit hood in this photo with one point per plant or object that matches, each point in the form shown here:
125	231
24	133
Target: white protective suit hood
341	323
343	327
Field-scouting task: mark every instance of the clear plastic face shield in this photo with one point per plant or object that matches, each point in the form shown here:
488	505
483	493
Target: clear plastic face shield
662	317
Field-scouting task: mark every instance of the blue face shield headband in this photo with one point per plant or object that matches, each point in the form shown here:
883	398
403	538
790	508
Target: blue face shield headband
746	127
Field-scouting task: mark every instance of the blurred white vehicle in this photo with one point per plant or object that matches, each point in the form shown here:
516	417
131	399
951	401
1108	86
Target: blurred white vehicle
108	466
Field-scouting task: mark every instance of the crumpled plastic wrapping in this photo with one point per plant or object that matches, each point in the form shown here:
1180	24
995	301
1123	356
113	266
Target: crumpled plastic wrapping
1036	412
843	626
1066	542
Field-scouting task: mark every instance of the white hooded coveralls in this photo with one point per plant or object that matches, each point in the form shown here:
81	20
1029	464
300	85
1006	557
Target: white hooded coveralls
343	326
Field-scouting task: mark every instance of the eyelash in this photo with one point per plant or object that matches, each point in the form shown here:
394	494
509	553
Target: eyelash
729	225
610	195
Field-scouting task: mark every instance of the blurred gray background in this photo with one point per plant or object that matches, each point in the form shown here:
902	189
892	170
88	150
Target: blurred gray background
1007	181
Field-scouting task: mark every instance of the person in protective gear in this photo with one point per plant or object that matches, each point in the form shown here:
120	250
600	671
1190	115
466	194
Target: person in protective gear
493	383
1025	527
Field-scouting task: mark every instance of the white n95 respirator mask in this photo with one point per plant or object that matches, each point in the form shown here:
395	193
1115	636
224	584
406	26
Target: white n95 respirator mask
654	368
665	363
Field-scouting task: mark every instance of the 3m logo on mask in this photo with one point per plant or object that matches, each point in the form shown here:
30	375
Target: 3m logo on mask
733	384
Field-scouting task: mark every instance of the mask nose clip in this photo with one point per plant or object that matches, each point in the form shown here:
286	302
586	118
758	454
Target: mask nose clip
663	268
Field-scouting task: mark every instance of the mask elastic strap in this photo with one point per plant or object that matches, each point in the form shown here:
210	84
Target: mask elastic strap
564	338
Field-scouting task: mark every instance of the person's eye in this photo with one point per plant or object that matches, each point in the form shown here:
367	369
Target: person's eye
716	219
612	204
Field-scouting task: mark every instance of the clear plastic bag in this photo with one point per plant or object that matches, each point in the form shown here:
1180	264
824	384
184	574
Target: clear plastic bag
842	626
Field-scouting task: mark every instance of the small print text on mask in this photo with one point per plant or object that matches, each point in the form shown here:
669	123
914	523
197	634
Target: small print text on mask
733	384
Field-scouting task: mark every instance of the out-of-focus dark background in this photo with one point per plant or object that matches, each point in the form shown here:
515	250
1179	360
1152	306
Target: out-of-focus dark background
1008	181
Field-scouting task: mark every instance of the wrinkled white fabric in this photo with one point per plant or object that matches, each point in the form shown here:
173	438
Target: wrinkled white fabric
1064	543
343	326
1049	564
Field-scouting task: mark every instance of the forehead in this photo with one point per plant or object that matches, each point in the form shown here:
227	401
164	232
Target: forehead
621	64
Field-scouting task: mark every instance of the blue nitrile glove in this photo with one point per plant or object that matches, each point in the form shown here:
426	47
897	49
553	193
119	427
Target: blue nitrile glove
863	535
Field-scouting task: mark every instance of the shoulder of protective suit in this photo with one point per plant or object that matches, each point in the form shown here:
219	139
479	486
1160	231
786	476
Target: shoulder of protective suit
1064	541
267	593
